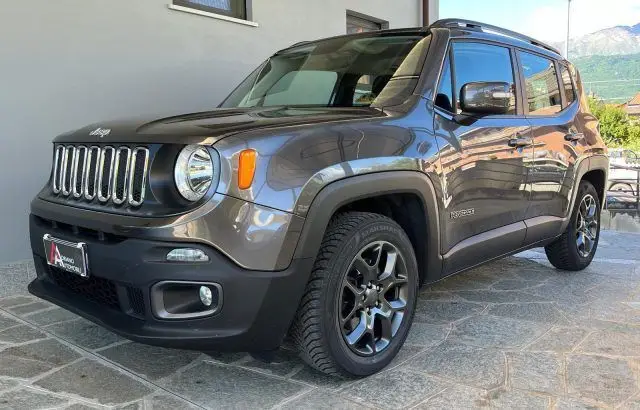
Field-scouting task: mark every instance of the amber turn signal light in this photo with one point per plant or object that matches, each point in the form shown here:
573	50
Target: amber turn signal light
246	168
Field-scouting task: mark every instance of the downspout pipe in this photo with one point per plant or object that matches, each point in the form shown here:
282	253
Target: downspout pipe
425	13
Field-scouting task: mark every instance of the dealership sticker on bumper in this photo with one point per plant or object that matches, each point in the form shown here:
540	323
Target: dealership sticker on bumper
69	256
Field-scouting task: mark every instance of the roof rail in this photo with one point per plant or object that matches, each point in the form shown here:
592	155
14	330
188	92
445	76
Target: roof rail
452	23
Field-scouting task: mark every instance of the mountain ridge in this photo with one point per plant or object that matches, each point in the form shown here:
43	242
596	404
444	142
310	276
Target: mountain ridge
618	40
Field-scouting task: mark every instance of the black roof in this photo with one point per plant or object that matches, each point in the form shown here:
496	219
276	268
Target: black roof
461	27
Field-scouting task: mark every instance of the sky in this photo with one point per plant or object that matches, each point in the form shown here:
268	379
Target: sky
546	20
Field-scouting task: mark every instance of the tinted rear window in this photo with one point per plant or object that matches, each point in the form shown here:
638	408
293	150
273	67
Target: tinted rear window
542	90
569	91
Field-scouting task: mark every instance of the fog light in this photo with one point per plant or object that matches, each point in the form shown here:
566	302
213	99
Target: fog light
187	255
206	297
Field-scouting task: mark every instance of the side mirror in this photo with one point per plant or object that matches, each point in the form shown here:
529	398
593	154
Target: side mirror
485	98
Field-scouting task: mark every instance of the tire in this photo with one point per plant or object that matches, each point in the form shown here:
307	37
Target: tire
318	330
565	252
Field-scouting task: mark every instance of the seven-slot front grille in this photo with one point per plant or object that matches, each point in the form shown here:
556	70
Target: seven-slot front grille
110	174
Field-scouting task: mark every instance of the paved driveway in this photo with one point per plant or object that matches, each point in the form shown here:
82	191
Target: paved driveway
512	334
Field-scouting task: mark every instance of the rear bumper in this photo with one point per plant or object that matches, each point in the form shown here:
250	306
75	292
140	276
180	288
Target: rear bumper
256	311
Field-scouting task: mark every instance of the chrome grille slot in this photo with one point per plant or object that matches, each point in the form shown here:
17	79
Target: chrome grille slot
138	177
57	167
121	175
67	169
79	168
105	174
91	180
116	174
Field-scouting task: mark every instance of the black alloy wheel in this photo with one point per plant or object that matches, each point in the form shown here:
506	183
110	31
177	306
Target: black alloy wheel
374	298
586	225
358	305
575	248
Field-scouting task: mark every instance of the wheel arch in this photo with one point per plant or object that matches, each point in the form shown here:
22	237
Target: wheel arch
598	178
596	172
594	169
374	190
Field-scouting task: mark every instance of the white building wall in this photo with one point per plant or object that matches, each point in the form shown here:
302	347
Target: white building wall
67	63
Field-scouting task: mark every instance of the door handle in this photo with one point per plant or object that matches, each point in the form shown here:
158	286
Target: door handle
519	142
573	137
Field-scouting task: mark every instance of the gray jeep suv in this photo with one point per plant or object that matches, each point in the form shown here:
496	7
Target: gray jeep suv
340	176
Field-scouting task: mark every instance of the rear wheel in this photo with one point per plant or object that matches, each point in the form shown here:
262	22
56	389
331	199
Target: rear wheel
359	303
575	248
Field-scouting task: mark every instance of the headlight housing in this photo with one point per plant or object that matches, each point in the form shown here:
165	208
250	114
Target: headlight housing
194	172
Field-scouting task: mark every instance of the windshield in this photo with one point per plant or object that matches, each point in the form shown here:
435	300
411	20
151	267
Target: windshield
340	72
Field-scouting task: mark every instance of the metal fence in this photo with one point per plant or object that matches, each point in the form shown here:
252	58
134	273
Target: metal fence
624	180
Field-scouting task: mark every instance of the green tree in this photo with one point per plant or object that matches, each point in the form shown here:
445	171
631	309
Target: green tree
615	127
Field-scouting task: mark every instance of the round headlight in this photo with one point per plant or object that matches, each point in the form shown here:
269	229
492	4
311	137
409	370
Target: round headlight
194	172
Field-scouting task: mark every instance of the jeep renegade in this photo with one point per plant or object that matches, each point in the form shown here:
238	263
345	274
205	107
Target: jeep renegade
336	179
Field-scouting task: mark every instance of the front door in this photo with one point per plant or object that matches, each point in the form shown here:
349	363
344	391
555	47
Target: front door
482	160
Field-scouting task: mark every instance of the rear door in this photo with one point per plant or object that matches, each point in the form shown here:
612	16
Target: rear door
551	108
483	176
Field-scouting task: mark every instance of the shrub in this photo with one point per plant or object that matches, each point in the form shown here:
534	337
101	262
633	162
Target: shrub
615	127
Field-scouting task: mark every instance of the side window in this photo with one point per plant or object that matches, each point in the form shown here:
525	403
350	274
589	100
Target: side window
569	91
444	97
543	92
474	62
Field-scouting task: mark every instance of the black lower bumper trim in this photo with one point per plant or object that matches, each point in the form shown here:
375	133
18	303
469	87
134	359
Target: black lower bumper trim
257	310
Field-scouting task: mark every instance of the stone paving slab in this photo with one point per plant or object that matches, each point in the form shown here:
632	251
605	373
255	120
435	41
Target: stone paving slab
95	381
15	276
28	398
397	388
29	308
499	332
221	386
603	379
149	362
513	334
458	396
50	316
84	333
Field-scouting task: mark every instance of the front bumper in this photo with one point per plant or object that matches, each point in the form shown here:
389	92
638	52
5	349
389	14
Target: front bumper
257	307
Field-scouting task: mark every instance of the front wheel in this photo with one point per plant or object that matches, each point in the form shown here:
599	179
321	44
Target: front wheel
575	248
359	303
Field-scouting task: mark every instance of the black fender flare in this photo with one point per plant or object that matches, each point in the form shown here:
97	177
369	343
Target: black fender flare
344	191
592	163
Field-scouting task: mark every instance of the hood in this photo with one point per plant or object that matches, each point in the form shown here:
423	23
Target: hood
210	126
